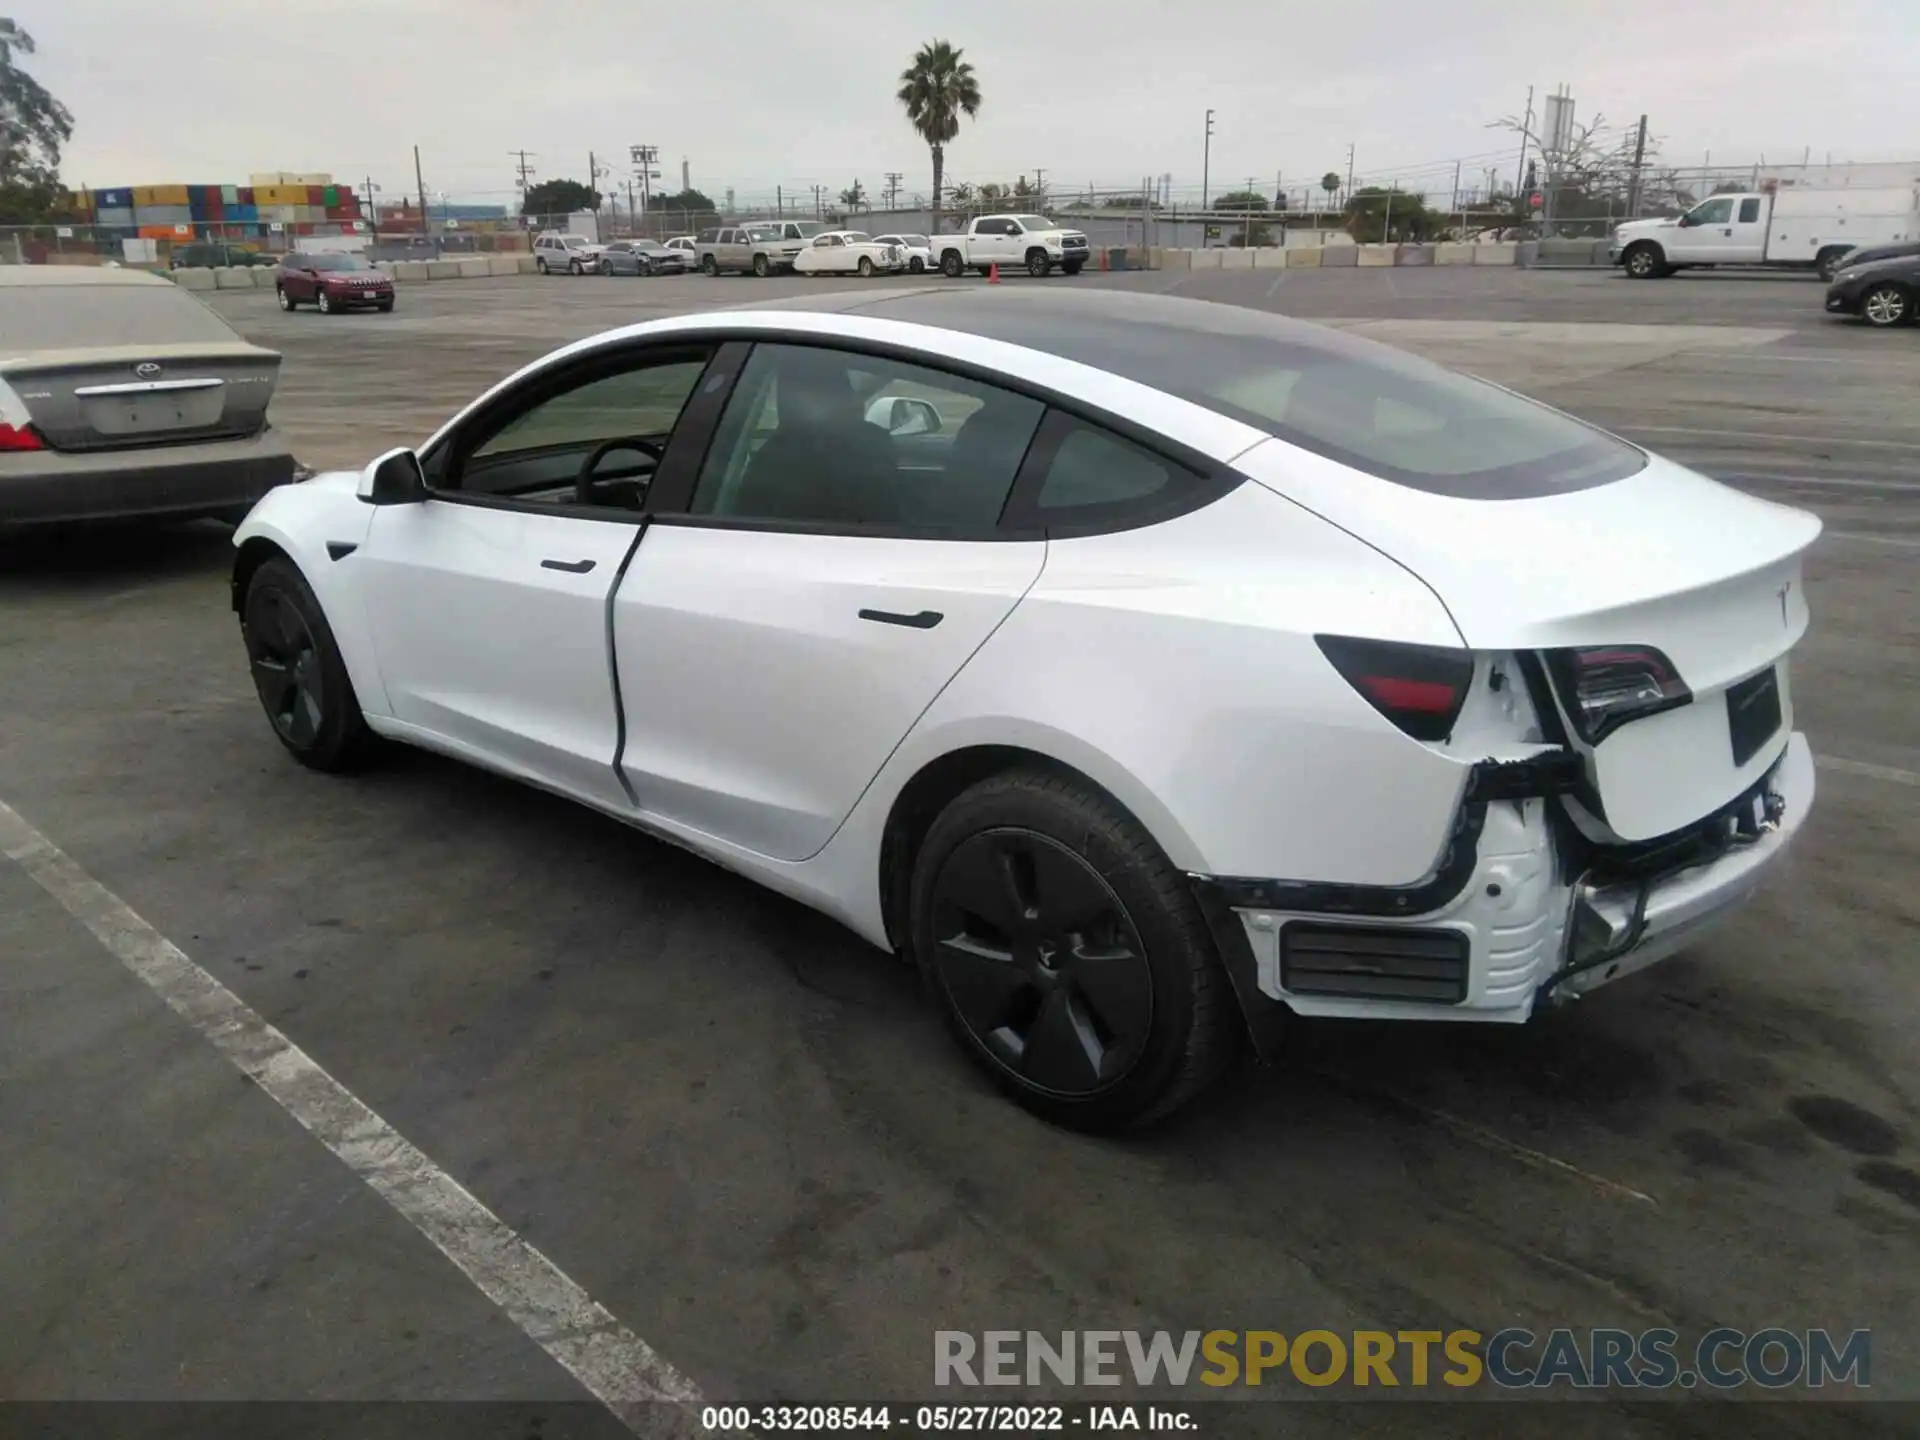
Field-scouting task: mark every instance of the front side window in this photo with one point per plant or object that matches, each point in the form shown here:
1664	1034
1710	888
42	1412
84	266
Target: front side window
816	437
759	234
1713	212
595	443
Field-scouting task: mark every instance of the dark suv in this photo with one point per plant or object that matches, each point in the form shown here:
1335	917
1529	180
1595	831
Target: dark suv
332	282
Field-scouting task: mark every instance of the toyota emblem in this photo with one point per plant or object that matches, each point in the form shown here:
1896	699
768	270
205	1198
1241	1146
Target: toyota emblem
146	369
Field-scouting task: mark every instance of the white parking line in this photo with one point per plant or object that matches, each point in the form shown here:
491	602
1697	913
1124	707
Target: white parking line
1890	773
619	1368
1903	542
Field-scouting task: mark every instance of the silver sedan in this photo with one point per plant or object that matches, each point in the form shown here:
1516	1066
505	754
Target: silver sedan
641	257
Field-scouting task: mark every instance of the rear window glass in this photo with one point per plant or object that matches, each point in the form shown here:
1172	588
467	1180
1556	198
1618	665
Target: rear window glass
1362	404
86	317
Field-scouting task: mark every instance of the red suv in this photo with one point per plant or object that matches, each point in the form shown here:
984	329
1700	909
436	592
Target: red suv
332	282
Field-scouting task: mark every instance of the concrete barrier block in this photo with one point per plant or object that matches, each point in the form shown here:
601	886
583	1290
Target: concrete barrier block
1304	257
503	265
473	267
408	270
442	269
1454	253
266	277
195	279
1501	252
1413	255
1375	255
1176	259
1269	257
1602	253
1236	259
527	263
232	277
1208	259
1339	255
1527	253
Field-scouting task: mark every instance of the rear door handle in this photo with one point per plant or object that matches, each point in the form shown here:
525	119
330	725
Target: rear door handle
925	620
572	567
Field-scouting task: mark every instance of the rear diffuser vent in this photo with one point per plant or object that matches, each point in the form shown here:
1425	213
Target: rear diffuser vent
1378	962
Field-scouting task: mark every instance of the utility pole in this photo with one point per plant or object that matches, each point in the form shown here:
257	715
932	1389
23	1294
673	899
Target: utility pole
1349	172
644	158
373	212
420	184
1039	188
1526	133
1456	198
894	177
779	202
1206	160
1639	159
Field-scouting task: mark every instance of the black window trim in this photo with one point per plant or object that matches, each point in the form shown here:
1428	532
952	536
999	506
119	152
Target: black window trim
667	504
686	445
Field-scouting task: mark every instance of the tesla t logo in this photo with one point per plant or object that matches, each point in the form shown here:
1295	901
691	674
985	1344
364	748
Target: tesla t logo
1785	590
146	369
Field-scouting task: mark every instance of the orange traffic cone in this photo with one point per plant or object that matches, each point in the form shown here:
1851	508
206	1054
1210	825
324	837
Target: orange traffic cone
993	273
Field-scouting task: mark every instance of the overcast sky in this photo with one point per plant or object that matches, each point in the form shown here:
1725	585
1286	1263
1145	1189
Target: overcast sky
755	93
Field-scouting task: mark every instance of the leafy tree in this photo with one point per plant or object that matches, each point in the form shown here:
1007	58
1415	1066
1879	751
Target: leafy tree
854	198
1376	215
1239	200
937	89
1330	182
559	197
690	201
33	127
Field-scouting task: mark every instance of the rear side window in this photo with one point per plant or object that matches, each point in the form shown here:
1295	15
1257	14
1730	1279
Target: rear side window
1095	468
81	317
1749	211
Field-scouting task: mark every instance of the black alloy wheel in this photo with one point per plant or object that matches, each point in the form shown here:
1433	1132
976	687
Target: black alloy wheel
297	670
1068	952
1038	264
286	668
1041	962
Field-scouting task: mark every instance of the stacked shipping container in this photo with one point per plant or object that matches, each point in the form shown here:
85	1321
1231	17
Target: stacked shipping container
289	202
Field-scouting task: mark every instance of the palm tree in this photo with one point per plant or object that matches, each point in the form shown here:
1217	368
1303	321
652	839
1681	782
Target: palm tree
1330	182
937	89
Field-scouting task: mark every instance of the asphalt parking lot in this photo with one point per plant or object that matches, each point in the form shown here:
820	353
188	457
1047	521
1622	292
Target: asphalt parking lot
741	1130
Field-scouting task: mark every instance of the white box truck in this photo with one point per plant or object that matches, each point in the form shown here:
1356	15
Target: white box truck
1780	226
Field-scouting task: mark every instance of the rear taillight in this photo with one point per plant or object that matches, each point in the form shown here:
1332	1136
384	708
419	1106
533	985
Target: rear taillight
1420	688
1605	686
19	437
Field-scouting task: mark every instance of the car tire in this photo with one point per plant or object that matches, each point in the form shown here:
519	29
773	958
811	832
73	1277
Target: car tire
1645	261
540	264
761	269
1886	305
385	307
866	267
298	672
287	302
1828	261
1071	267
1027	850
643	268
576	268
323	302
916	266
710	267
1038	265
951	265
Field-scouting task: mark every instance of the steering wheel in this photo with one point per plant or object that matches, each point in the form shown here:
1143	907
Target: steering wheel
583	482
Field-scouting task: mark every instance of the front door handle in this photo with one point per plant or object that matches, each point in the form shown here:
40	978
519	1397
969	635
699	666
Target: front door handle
572	567
925	620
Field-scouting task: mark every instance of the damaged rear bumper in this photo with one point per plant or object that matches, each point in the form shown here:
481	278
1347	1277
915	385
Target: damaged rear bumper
1517	911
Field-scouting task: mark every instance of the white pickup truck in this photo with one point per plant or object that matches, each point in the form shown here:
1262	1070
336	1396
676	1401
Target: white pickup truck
1029	242
1788	227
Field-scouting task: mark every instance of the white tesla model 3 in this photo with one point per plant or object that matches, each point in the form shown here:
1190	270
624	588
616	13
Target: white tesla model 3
1163	668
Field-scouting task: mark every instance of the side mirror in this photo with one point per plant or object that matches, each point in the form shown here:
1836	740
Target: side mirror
1686	221
914	417
394	479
